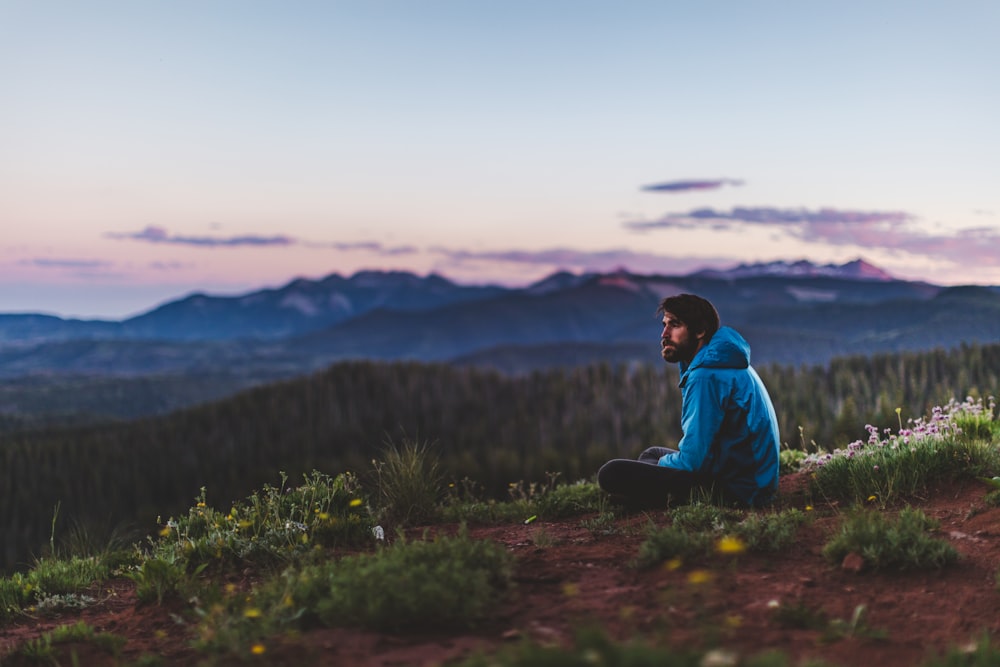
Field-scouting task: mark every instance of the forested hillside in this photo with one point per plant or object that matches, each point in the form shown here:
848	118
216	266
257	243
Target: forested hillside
485	425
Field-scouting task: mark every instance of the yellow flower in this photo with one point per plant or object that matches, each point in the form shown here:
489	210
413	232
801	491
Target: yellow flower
809	508
672	564
252	612
698	577
165	532
872	499
258	649
356	502
571	590
730	544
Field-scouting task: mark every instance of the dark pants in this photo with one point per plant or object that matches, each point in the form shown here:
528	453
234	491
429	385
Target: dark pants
641	483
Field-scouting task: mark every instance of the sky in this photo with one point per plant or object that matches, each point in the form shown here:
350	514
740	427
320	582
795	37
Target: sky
153	149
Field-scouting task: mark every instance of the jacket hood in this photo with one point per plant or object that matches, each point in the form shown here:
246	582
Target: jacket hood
727	349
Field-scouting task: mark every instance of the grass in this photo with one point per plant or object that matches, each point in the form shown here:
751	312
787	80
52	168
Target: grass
699	529
306	554
409	482
891	467
903	543
43	649
441	584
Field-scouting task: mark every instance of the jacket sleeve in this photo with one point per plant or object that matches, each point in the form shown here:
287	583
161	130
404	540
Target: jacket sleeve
702	414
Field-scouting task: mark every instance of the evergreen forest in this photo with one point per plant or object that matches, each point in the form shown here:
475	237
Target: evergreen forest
101	479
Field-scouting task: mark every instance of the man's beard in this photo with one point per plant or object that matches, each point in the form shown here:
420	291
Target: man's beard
677	352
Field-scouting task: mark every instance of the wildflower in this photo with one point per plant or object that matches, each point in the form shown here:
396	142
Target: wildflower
672	564
200	503
699	577
165	531
252	612
809	508
571	589
730	544
356	502
323	516
872	498
258	649
875	468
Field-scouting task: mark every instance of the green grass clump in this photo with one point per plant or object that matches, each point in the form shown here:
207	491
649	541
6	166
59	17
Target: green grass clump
440	584
701	528
409	483
450	582
671	542
43	649
883	543
769	532
889	474
701	517
56	580
271	528
547	500
953	441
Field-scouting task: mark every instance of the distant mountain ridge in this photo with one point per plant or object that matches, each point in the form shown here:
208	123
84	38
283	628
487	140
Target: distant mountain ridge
791	312
858	269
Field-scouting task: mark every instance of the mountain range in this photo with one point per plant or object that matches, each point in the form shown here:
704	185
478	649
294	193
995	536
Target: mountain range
790	312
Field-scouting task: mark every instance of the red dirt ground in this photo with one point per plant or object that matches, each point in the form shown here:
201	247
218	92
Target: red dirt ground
568	577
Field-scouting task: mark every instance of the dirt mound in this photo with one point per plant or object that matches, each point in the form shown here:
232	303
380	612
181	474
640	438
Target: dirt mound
573	574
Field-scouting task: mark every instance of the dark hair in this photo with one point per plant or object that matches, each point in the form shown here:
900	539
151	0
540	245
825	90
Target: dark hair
697	313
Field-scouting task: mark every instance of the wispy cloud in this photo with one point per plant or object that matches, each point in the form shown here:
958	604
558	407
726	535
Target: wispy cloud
787	217
688	185
153	234
159	235
57	263
891	231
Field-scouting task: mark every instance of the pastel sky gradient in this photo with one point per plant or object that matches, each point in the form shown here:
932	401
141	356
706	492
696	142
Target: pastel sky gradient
151	149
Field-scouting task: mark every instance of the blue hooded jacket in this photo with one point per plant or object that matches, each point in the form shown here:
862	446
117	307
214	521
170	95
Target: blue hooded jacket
730	429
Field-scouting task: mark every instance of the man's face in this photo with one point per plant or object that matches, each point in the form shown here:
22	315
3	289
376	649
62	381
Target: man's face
677	343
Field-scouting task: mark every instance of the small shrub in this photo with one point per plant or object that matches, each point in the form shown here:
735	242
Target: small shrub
671	542
769	532
409	482
700	517
450	582
42	649
157	579
571	499
903	543
272	527
445	583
